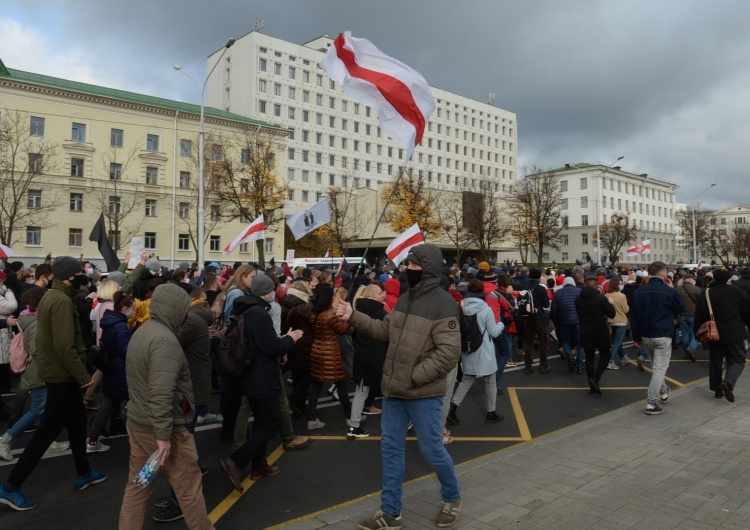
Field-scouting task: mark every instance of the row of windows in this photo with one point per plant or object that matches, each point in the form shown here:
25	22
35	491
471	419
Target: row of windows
78	134
643	225
650	193
585	256
656	211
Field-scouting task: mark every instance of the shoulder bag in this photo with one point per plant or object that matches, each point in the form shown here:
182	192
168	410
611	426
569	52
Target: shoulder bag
708	332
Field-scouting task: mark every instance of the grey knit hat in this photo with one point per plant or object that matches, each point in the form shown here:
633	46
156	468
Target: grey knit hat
154	265
65	266
262	285
117	276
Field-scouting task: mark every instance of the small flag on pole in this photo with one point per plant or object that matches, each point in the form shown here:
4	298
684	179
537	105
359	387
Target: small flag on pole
254	231
644	247
99	234
304	222
399	247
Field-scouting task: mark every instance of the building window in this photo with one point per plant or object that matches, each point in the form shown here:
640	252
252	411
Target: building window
269	244
305	175
245	156
114	238
33	236
152	176
214	243
37	126
184	210
115	171
184	179
584	238
584	183
564	239
305	196
262	65
115	137
292	72
563	185
290	153
262	106
76	167
34	199
277	110
261	85
215	212
150	207
186	147
152	142
76	202
78	132
75	237
563	204
183	242
584	220
115	204
584	202
291	113
149	241
292	93
564	221
565	256
244	247
277	68
36	163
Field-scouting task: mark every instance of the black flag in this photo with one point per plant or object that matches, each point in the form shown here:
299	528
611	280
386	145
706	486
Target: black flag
99	234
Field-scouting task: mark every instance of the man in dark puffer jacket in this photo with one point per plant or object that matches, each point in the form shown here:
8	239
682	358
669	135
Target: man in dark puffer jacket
424	345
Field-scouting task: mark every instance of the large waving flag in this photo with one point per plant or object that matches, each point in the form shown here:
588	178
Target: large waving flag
99	234
398	93
304	222
644	247
254	231
399	247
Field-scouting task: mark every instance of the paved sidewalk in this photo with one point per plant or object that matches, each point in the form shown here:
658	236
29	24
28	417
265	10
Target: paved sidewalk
688	468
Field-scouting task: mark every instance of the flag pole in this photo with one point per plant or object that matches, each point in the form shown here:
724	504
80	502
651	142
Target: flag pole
382	214
87	249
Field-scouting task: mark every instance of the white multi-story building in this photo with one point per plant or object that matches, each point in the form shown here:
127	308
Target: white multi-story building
592	190
336	142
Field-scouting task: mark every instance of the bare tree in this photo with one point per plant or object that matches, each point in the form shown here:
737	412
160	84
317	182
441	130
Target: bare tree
25	158
347	217
411	201
484	221
247	182
450	211
738	235
535	211
116	194
684	221
615	233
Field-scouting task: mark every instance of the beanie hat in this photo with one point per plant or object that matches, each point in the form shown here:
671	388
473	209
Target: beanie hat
185	265
214	264
117	276
154	265
65	266
484	266
184	286
722	276
535	273
262	285
384	277
16	266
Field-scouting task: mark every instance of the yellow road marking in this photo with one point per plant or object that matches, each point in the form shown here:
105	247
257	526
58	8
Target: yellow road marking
523	427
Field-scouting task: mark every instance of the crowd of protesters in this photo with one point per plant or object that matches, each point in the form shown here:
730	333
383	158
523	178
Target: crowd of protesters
138	350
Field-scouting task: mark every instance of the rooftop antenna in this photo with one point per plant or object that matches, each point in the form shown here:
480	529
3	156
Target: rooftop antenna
490	98
259	24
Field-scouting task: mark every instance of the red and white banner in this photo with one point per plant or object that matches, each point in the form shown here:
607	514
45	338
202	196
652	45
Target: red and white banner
644	247
255	230
399	247
398	93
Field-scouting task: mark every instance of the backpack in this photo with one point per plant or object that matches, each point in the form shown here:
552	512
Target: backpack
506	315
231	347
19	359
472	336
217	308
525	303
100	358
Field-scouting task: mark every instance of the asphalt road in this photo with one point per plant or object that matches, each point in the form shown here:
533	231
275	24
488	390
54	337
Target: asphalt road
334	470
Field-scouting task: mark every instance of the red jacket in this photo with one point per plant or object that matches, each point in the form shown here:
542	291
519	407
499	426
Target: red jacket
392	292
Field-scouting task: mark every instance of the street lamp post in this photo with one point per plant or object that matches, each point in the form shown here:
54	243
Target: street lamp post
201	163
695	240
597	209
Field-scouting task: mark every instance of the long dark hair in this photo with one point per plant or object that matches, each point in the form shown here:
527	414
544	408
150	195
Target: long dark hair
322	297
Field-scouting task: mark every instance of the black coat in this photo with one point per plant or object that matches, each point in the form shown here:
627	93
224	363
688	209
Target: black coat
369	354
593	310
115	339
295	314
731	307
140	286
261	380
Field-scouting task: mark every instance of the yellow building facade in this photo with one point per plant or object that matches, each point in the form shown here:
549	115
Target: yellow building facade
71	151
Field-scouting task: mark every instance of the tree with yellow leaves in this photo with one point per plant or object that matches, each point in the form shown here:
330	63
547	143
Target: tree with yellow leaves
409	200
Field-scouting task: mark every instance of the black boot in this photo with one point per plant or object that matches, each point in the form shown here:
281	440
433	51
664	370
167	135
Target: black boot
493	417
452	418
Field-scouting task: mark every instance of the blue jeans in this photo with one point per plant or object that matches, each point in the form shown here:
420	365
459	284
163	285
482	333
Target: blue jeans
618	333
660	349
569	335
503	354
38	399
688	335
425	413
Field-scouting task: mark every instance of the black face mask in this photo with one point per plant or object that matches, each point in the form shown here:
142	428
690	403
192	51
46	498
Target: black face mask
413	276
49	284
80	280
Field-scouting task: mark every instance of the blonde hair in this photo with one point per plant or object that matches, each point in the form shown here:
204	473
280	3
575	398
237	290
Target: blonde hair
242	271
365	291
302	285
107	290
339	295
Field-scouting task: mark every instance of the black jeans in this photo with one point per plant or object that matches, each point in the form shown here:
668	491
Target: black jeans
603	348
535	327
63	408
735	356
230	404
266	425
316	387
300	385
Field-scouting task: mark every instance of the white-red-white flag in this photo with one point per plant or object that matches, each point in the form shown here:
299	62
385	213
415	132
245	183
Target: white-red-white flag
255	230
644	247
398	93
700	265
399	247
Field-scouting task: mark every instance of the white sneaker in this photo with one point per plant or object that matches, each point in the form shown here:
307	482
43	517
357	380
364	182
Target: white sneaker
612	366
56	447
664	394
5	453
625	360
316	424
97	447
206	418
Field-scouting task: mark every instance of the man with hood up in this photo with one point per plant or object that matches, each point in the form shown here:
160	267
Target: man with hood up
593	310
160	409
424	345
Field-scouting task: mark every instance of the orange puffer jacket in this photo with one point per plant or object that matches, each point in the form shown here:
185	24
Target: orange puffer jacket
325	357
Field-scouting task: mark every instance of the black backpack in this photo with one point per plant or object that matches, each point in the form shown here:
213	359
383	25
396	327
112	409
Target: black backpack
471	336
525	303
232	350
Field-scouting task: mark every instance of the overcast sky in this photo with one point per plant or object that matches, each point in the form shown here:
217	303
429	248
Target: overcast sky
665	83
